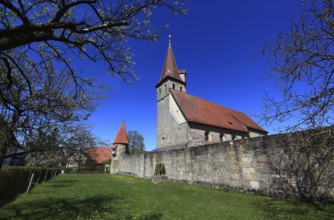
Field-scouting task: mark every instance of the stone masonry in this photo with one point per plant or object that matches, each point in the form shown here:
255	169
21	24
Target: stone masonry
277	165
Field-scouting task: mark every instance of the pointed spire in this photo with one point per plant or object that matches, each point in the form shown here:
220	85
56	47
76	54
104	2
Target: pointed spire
170	68
121	137
170	41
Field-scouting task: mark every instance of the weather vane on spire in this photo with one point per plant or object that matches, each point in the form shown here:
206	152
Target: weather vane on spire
170	41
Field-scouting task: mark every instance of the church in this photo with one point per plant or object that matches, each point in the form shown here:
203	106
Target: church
186	120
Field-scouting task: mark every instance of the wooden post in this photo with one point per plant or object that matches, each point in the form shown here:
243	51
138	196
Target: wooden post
54	174
30	182
46	175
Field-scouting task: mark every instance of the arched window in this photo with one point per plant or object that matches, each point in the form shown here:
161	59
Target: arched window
180	88
165	87
221	137
206	136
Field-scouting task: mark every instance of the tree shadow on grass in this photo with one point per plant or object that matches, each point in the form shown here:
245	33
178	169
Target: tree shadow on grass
61	183
298	210
60	208
156	216
12	194
7	200
94	207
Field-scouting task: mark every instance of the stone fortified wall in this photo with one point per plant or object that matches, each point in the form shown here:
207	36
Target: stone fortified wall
293	166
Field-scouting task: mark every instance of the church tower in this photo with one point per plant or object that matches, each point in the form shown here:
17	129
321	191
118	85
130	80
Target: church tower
171	79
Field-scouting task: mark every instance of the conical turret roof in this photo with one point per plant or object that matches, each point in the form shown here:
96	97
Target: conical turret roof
121	137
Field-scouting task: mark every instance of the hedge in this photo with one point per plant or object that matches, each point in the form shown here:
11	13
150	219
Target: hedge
15	180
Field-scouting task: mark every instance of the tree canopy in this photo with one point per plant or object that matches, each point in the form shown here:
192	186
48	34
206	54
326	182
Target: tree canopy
303	65
61	30
136	141
42	89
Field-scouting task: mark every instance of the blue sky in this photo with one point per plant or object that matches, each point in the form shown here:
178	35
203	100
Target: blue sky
217	43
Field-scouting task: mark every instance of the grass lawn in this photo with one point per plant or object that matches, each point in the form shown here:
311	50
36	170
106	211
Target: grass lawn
104	196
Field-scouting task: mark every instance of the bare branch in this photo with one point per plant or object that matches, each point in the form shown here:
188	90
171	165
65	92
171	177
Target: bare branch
303	65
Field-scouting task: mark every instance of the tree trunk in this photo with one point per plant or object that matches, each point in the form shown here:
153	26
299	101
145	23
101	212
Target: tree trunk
2	158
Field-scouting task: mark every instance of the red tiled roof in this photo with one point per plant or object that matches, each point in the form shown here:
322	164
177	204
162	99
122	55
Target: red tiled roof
99	154
121	137
201	111
170	68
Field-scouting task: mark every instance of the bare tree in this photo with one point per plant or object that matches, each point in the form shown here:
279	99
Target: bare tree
75	140
33	111
303	66
95	30
64	144
41	88
304	166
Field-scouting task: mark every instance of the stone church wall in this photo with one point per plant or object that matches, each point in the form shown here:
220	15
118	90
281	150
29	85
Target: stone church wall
196	134
170	134
294	166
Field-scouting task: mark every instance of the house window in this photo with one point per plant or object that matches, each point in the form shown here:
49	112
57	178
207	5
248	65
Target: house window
180	88
165	87
159	91
221	137
207	136
233	136
173	86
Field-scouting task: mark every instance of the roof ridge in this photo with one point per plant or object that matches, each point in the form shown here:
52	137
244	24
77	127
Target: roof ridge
203	99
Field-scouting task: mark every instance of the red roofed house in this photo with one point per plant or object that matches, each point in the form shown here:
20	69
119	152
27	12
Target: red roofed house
99	154
186	120
91	158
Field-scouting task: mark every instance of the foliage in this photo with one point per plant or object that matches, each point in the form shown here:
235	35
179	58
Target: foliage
123	197
303	65
108	161
136	141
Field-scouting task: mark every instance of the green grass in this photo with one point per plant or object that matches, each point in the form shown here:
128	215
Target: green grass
92	196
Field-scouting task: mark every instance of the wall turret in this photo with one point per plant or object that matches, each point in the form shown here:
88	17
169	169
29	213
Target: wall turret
120	144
